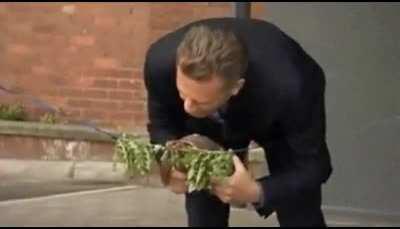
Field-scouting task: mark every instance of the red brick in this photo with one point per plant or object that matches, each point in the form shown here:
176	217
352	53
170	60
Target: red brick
122	116
120	95
106	124
103	21
170	16
79	103
54	100
41	70
20	7
16	147
73	112
83	40
140	117
139	84
132	106
20	28
125	84
102	83
138	75
50	92
139	95
20	49
104	151
21	70
141	34
70	92
101	50
105	63
94	114
218	12
110	73
3	8
44	28
48	46
130	84
105	105
42	39
68	9
83	82
72	49
94	93
76	120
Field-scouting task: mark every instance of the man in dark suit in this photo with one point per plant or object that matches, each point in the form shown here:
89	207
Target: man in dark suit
236	81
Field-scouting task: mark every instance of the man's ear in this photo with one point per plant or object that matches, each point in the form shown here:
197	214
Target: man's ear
238	86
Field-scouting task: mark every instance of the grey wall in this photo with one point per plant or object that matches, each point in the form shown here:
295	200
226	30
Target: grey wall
358	46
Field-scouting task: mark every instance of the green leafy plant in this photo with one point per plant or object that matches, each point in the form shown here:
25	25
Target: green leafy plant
14	112
135	154
139	156
49	118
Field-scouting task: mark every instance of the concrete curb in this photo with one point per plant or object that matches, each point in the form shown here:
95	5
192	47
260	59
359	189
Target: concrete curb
58	131
34	169
59	170
80	170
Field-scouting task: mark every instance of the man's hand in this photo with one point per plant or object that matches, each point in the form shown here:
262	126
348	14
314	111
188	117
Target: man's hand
173	179
178	183
176	180
239	188
165	173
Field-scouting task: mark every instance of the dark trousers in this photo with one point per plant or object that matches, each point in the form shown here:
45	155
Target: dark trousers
206	210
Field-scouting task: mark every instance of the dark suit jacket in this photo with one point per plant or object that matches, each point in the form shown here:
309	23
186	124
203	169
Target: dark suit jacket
281	107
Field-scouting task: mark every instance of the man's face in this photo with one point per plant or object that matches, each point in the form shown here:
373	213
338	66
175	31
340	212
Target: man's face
202	98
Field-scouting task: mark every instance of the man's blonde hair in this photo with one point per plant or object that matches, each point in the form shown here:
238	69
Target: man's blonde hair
205	51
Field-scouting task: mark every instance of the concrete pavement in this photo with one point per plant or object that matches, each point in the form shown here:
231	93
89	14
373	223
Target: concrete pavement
22	189
128	206
88	193
123	207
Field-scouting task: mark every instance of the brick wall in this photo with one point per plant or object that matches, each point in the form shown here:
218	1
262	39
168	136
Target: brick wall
87	58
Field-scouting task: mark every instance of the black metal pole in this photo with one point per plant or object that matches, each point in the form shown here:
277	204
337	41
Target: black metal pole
243	10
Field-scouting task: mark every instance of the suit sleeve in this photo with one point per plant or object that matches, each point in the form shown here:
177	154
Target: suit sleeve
303	127
165	119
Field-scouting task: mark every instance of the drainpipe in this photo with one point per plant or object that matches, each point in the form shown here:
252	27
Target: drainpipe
242	10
